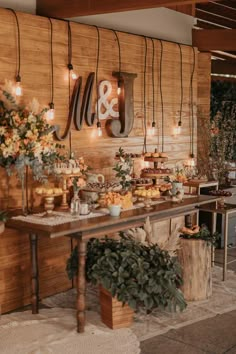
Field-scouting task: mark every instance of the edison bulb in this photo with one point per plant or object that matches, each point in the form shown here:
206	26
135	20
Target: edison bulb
18	90
73	75
51	114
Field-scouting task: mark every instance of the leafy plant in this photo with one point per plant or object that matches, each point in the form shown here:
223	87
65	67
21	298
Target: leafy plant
203	234
138	274
123	169
3	216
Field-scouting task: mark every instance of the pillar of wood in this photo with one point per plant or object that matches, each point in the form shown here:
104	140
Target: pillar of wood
195	259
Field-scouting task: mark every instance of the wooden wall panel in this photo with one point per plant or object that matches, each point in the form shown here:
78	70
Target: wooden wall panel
98	152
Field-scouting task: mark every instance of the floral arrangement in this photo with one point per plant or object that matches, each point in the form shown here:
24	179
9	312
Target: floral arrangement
178	177
113	198
76	182
79	181
26	138
123	169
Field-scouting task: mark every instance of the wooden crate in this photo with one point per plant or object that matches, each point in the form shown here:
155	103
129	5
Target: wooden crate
113	313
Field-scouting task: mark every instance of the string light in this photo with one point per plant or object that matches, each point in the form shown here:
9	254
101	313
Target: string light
191	161
177	129
162	105
144	98
153	129
73	74
18	87
119	81
99	127
51	112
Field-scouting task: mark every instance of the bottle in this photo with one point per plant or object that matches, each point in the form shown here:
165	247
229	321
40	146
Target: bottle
75	205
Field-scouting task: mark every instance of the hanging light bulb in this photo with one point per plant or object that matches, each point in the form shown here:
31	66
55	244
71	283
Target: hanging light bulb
153	129
99	129
191	161
18	89
72	72
51	112
119	87
177	130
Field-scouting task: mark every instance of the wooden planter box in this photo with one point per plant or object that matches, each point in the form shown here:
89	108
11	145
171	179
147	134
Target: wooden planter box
2	227
195	259
113	313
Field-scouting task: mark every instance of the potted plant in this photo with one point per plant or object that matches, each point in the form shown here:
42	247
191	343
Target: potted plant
133	273
123	169
195	256
3	219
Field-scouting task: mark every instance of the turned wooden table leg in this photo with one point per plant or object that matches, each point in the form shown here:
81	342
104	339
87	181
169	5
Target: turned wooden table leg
81	285
34	273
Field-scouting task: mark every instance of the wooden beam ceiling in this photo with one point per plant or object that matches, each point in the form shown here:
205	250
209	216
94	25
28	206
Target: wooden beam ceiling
215	39
223	67
73	8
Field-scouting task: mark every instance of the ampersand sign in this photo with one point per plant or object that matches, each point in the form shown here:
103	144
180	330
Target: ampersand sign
105	108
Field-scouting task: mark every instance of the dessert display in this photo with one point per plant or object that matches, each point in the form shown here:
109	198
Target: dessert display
125	155
102	187
115	198
48	193
136	182
152	172
148	193
156	156
220	193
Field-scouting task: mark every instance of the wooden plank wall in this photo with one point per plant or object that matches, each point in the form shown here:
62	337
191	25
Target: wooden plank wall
98	152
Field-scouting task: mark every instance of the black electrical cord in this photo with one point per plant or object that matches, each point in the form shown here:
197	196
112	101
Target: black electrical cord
161	95
119	51
96	75
52	66
18	77
70	67
191	103
144	97
153	85
181	86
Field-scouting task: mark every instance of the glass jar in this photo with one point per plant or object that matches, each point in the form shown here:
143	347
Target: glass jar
75	204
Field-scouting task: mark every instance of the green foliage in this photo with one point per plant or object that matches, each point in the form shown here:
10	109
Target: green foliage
223	118
3	216
203	234
137	274
123	169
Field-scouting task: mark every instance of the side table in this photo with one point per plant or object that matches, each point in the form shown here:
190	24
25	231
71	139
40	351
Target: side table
225	211
198	184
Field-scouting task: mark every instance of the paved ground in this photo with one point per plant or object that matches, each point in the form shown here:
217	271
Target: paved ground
216	335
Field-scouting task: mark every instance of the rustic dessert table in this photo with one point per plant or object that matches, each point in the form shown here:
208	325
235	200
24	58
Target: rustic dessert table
83	230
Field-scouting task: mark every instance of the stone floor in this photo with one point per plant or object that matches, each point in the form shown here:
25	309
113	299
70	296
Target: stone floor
215	335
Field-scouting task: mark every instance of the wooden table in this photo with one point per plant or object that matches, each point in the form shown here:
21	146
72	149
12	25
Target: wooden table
198	184
83	230
225	212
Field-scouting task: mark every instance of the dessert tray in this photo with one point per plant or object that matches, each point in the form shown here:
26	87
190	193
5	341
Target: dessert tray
101	187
